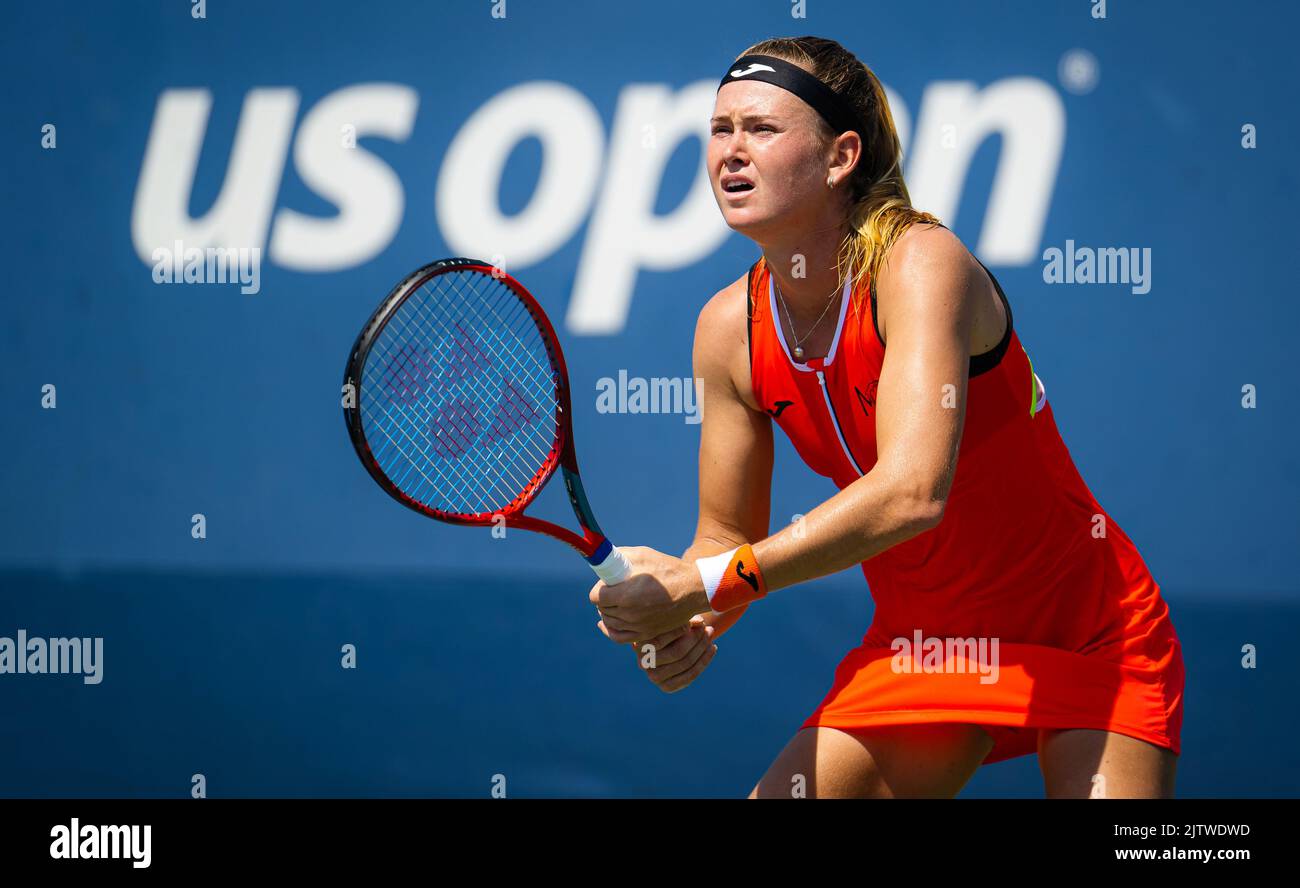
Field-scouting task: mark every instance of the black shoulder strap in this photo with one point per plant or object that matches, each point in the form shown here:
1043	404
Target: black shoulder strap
749	312
978	363
991	358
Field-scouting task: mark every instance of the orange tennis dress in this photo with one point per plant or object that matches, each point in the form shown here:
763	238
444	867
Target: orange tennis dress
1026	607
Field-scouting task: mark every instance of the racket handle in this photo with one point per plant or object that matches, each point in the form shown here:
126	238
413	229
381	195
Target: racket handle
610	564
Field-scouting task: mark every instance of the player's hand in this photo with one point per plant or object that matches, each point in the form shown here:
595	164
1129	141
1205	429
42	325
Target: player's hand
660	593
675	659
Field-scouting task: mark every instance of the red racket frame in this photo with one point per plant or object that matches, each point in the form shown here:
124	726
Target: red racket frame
562	454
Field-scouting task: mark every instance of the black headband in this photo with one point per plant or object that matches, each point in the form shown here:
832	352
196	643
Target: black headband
778	72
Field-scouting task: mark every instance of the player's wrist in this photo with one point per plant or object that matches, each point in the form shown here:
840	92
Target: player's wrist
697	598
731	579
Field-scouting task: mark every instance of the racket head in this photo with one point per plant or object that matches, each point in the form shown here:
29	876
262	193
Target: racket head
460	399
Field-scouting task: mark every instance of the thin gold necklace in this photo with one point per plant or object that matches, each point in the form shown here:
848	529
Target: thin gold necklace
798	349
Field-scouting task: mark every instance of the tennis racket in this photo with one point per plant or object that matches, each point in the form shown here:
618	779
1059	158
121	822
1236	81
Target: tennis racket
459	405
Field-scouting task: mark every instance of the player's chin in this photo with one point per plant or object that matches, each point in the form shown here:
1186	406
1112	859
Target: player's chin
744	218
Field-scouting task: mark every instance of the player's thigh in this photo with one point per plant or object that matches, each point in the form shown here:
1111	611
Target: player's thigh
903	761
1078	763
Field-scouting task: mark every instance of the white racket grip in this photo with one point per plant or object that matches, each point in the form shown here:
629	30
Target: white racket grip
614	569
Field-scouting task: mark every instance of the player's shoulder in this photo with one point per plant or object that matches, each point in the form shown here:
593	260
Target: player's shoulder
927	250
722	338
727	309
929	273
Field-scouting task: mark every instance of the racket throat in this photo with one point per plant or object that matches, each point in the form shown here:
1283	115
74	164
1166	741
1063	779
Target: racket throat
581	508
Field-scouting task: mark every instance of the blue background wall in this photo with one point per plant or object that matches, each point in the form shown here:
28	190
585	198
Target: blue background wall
478	656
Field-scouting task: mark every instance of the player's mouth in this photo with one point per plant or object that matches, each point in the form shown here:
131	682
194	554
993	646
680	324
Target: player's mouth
736	187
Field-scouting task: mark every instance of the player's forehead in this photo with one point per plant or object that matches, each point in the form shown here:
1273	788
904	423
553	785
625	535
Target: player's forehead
754	98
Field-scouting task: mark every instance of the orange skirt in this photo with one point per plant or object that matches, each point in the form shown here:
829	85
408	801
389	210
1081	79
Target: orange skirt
1011	690
1134	688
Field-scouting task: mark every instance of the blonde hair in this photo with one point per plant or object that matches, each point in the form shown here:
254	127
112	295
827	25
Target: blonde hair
880	209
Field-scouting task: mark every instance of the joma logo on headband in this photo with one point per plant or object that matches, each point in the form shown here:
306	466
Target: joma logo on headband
754	66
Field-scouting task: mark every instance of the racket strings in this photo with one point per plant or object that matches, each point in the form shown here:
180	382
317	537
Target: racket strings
405	389
454	417
469	426
465	423
543	385
431	453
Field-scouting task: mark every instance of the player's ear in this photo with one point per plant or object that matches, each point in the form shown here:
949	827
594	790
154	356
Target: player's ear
845	154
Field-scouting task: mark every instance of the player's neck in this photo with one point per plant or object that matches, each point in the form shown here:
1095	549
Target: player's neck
806	272
803	264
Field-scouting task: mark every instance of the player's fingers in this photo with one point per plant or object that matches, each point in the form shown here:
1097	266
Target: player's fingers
635	629
680	681
618	636
667	670
683	647
664	639
614	620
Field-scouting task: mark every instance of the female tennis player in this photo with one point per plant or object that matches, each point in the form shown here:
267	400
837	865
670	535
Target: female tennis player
1012	615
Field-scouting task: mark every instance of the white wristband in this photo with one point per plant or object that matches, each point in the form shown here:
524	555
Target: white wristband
712	569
